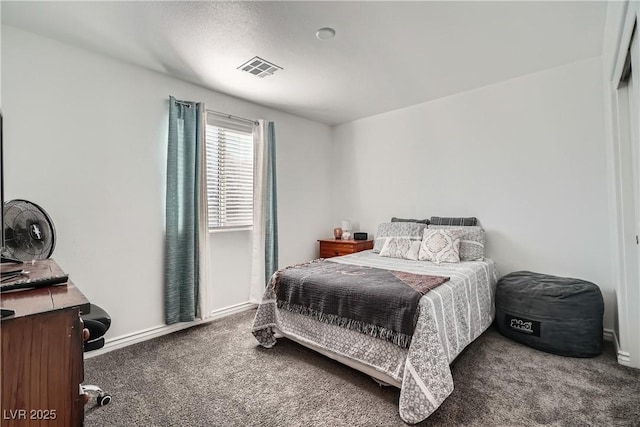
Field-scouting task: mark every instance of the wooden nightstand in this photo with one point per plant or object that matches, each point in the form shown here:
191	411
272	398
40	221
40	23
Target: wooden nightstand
334	247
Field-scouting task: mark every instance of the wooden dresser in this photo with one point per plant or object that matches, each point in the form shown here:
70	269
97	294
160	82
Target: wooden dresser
336	247
42	354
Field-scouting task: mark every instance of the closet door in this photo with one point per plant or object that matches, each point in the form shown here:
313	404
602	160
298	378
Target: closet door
633	293
628	101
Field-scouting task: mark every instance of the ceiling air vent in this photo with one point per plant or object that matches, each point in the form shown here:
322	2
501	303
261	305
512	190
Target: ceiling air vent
259	67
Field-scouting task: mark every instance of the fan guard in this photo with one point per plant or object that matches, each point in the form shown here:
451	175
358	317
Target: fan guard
28	230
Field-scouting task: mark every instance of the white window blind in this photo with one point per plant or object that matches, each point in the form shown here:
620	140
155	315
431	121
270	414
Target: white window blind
229	172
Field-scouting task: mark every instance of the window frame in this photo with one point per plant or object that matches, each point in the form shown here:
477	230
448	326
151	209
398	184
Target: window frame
237	151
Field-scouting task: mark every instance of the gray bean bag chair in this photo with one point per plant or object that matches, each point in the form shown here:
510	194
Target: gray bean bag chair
559	315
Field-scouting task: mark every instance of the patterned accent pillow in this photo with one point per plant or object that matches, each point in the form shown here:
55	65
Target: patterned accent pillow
422	221
401	247
471	241
460	222
440	246
411	230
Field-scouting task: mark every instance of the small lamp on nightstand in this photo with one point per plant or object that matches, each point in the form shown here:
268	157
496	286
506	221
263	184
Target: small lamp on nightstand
346	226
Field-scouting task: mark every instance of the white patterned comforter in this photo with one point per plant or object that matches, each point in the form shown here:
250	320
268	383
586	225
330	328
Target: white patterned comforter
450	317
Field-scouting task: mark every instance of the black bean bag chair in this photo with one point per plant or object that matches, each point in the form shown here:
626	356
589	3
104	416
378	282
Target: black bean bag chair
559	315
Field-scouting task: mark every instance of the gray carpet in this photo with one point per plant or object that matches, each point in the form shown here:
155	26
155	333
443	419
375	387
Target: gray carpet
217	375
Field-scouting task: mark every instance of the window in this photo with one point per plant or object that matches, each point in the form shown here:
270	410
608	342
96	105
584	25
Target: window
229	172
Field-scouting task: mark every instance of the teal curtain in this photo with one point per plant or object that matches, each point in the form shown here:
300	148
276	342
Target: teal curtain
181	247
271	218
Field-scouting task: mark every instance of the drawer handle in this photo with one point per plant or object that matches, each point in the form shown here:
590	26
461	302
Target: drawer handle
337	253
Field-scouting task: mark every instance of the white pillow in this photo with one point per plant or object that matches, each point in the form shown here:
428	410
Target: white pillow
401	247
471	241
440	245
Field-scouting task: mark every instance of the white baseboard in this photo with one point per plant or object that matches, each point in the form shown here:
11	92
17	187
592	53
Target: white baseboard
158	331
624	358
609	335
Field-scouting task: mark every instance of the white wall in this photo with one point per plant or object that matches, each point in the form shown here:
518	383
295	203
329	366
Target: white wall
85	137
526	156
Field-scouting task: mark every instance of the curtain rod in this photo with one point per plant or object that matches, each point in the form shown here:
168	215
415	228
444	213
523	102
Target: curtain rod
229	116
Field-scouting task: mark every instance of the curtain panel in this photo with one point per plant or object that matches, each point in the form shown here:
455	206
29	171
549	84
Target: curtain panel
271	211
183	210
265	218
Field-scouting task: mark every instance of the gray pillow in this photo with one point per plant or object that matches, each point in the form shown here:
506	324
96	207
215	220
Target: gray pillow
458	221
471	241
421	221
410	230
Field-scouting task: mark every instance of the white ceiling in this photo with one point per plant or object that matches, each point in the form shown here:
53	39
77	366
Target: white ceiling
385	56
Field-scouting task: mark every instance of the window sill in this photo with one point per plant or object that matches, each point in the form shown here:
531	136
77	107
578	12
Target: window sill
230	229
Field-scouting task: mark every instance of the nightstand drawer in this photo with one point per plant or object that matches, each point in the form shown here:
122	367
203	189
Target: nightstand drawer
331	248
330	252
345	247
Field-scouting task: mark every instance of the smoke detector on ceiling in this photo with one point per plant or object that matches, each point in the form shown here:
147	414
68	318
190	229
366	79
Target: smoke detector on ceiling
259	67
325	33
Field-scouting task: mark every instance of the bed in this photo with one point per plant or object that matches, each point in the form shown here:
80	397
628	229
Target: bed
449	317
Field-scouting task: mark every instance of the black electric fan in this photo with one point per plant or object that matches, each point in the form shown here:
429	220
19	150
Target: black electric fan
29	232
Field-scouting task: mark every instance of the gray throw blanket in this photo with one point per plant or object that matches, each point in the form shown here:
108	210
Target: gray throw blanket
381	303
